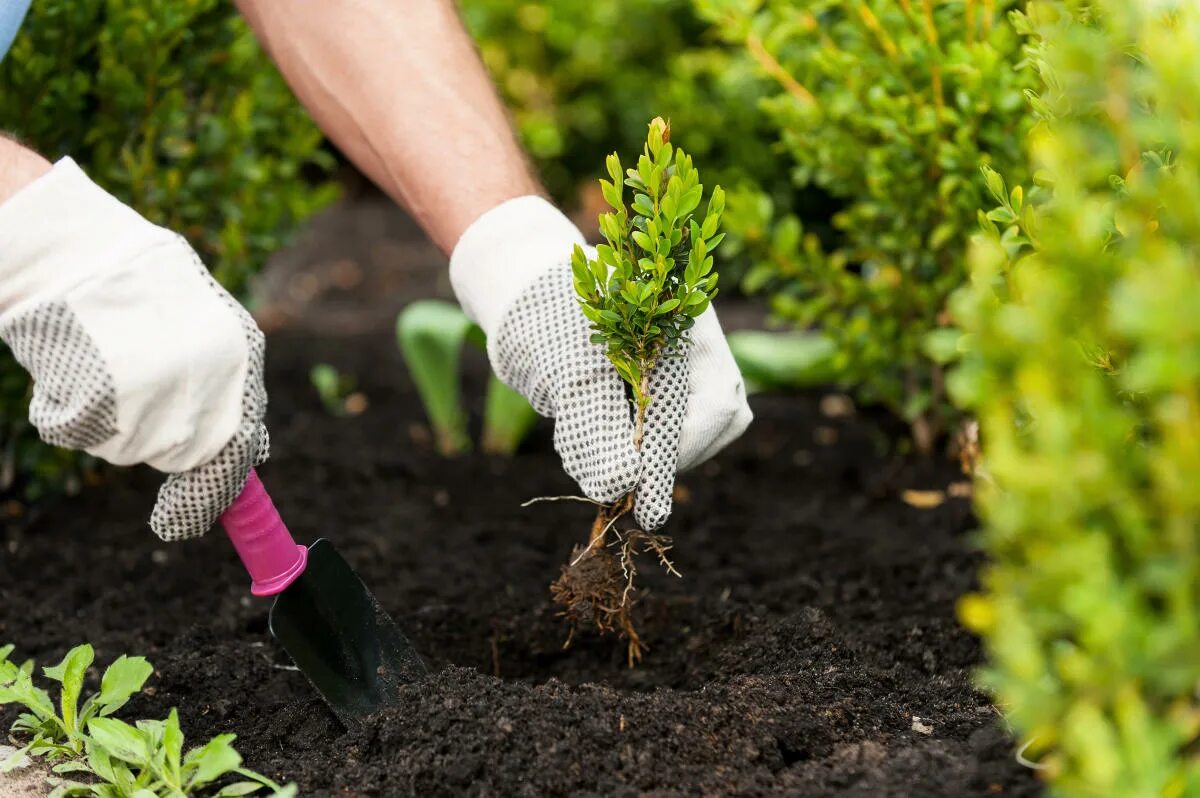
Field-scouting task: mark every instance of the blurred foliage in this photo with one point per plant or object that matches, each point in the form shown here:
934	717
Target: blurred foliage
431	335
890	108
172	106
581	79
1083	323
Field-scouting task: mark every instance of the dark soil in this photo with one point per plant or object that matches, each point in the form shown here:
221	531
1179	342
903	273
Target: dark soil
814	622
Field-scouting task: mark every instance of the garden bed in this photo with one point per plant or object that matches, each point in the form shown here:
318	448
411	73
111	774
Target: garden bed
810	649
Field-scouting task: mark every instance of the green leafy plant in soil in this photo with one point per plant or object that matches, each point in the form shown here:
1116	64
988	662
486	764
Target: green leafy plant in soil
431	335
172	106
102	756
889	107
1083	325
642	293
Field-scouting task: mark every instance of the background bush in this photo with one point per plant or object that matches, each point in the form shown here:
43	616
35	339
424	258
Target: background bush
1084	367
583	79
889	108
171	106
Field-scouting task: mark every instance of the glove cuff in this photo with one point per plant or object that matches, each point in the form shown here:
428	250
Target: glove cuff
58	230
504	251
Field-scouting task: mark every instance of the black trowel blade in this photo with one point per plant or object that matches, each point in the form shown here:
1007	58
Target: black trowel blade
342	639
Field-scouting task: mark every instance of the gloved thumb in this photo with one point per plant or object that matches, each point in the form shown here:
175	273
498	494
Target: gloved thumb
191	502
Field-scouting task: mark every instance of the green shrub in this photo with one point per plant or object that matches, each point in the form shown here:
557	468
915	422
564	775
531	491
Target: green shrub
579	78
890	108
172	106
1084	322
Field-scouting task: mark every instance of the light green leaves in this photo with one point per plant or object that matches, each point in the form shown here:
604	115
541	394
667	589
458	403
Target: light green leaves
144	760
654	275
122	679
212	761
70	672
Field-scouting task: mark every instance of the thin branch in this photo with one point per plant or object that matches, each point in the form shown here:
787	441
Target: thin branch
759	52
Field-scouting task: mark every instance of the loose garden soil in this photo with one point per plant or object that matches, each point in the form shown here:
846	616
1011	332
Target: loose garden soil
810	649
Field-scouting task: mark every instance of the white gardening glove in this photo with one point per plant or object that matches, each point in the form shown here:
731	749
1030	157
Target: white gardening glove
511	272
137	354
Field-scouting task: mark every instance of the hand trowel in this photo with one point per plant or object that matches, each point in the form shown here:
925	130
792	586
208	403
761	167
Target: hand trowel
324	616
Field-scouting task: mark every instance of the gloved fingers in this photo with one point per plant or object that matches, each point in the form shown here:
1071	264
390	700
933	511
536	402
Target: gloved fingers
717	411
660	440
190	503
593	432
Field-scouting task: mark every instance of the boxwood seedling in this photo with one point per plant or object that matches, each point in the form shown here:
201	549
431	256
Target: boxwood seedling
118	760
642	293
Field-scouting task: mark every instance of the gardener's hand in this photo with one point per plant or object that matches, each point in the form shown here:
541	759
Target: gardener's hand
511	272
137	355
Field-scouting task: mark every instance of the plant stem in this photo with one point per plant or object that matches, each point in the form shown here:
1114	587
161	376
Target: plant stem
643	401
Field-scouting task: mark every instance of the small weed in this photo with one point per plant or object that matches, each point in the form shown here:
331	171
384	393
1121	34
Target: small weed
104	757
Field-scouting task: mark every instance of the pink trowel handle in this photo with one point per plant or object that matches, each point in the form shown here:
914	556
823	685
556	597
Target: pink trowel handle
266	547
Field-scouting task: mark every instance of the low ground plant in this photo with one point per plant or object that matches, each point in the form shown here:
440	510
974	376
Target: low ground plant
431	335
1082	326
95	754
642	293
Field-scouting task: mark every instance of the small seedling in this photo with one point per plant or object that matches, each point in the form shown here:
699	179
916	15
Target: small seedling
431	335
118	760
642	293
336	390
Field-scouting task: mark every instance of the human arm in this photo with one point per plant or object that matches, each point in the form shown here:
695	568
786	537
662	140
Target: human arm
399	87
19	166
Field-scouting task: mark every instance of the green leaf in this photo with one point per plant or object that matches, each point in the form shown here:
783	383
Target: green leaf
120	740
690	200
101	762
70	672
579	266
613	164
238	788
121	680
987	225
644	241
173	745
716	203
212	761
995	183
612	194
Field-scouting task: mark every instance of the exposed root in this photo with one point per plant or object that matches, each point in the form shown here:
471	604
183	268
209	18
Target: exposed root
598	589
540	499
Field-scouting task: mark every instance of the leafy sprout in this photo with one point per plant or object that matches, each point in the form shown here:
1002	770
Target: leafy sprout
642	293
654	276
118	760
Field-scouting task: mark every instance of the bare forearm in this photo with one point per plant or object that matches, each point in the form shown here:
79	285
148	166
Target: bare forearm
19	166
398	86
